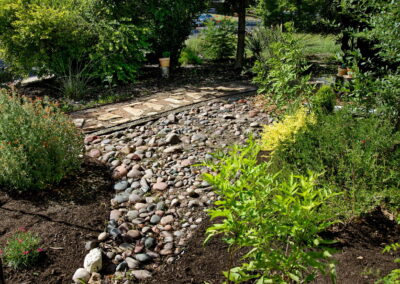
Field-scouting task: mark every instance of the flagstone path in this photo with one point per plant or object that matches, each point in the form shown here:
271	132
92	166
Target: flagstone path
111	115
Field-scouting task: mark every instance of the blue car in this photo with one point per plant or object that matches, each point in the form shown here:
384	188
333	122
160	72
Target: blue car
202	18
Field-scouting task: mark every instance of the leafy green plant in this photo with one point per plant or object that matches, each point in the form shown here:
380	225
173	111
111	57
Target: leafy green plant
189	56
22	249
277	220
394	275
39	145
354	150
324	100
49	36
219	39
280	72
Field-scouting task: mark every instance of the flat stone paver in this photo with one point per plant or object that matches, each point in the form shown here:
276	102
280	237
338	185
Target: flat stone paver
95	119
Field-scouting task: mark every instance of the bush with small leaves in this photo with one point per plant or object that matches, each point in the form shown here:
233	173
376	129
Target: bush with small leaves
39	145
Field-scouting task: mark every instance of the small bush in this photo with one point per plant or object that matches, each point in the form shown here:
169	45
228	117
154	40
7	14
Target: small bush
189	56
324	100
22	249
283	132
219	39
354	152
278	221
39	145
280	69
54	36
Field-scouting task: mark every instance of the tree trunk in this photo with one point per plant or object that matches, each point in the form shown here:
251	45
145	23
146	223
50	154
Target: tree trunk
241	34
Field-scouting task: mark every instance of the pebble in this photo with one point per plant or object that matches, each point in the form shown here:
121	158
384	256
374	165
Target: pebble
102	236
132	263
141	274
155	219
157	185
115	214
167	220
142	257
160	186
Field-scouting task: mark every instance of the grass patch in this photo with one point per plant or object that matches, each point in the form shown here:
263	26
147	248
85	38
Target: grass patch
317	44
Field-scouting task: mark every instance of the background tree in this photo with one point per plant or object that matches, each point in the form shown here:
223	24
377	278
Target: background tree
239	7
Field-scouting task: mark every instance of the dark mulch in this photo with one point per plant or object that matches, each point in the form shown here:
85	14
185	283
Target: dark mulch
360	243
200	263
359	257
64	217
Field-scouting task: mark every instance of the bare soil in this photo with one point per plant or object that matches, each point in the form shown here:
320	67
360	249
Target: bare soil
65	217
359	258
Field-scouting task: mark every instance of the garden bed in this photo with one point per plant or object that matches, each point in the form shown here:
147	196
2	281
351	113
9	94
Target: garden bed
64	218
359	258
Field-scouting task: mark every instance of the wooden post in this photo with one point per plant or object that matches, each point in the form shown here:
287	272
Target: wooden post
2	281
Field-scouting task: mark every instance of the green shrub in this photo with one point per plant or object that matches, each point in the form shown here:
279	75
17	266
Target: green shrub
280	70
219	39
39	145
22	249
277	220
354	152
324	100
189	56
68	36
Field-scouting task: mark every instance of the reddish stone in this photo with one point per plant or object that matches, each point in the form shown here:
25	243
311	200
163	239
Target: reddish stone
120	172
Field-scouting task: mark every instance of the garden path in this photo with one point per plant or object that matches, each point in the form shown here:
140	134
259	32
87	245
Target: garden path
111	115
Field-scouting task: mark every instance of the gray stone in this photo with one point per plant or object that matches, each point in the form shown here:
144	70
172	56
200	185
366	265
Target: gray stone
135	174
91	245
121	198
142	257
155	219
173	149
141	274
172	139
122	266
132	214
134	198
144	186
132	263
161	205
149	243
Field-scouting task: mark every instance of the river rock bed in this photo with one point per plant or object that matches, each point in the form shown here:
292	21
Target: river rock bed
159	196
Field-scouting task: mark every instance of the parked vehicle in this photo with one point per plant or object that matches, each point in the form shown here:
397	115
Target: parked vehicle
203	18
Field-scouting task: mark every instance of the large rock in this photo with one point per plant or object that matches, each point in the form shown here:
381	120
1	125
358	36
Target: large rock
80	275
93	260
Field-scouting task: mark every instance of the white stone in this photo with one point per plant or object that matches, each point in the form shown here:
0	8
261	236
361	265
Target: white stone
93	260
80	275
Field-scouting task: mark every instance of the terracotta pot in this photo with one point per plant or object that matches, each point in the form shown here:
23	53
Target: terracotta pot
164	62
341	71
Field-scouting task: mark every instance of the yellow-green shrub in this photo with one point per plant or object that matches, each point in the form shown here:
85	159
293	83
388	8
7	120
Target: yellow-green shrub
39	145
286	130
